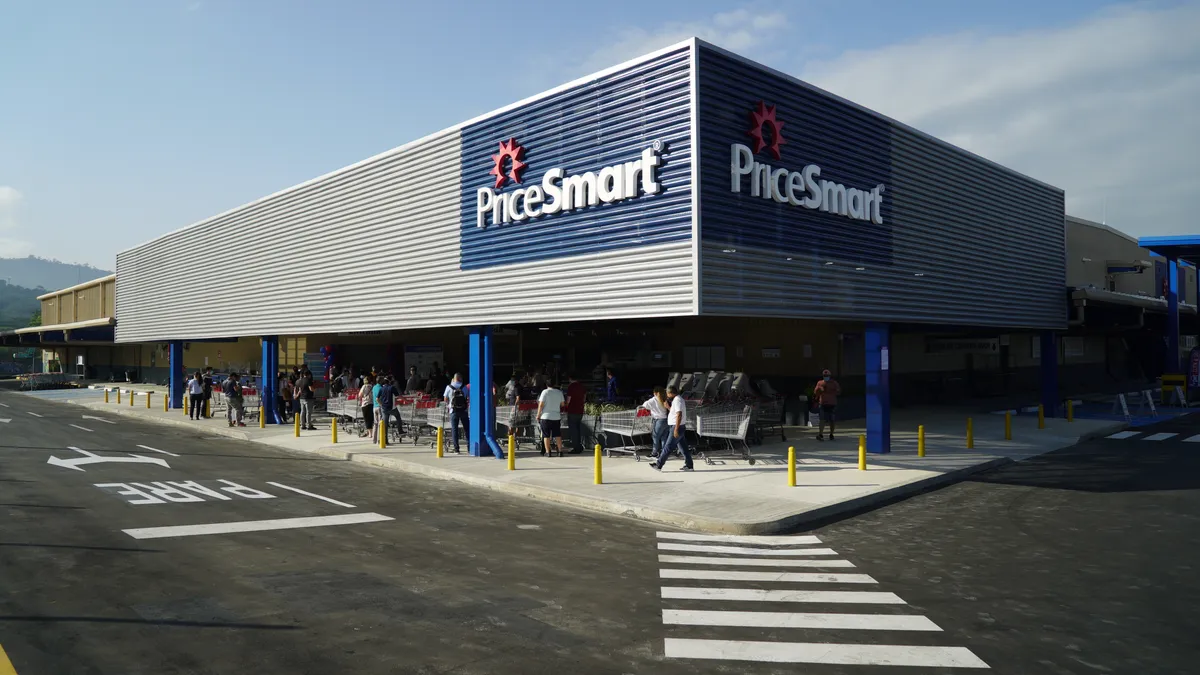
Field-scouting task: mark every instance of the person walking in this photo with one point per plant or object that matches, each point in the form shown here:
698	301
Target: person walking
233	401
367	403
286	392
307	399
458	403
677	422
659	431
387	403
576	399
208	387
195	387
512	389
610	389
413	386
549	414
826	394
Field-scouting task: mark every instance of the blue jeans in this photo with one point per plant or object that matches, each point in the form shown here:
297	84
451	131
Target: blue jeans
673	442
658	434
455	419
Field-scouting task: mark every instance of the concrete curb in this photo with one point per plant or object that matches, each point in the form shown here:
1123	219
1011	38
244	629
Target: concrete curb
645	513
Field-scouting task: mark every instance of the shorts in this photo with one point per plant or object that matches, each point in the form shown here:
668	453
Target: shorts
829	412
551	428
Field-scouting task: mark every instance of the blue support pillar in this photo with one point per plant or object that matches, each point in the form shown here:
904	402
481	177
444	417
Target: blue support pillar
878	337
483	409
1172	365
1049	357
269	381
178	376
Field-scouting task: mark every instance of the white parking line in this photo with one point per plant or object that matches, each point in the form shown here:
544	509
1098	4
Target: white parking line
759	595
1122	435
796	577
33	413
314	496
750	562
3	405
741	539
83	428
695	617
1192	439
744	550
253	526
835	654
161	452
1160	437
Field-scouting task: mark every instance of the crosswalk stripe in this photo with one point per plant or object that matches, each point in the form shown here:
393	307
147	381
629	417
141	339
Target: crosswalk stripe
741	539
750	562
1122	435
794	577
1192	439
759	595
823	653
695	617
745	550
1160	437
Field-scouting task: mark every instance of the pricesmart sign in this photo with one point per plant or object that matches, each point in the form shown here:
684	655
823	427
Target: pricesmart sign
804	187
558	192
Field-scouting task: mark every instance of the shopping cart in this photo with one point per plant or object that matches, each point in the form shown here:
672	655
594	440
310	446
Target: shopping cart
630	427
724	429
767	419
518	421
428	417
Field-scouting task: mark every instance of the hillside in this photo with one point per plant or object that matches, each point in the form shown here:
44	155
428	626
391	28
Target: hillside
50	275
17	305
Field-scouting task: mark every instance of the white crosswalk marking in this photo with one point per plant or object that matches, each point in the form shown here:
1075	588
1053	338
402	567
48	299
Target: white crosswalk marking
1160	437
745	550
759	595
1122	435
1192	439
751	562
725	613
805	652
697	617
797	540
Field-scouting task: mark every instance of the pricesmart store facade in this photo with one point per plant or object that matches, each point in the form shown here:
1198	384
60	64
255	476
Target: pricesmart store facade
686	203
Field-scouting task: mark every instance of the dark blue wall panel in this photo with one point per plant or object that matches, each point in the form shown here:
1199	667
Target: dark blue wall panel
607	121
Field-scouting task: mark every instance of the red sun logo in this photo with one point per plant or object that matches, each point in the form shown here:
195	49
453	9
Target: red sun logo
512	151
764	116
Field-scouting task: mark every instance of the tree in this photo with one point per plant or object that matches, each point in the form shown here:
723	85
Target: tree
36	319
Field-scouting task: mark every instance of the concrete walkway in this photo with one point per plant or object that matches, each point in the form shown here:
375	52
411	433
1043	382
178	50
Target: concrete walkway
727	496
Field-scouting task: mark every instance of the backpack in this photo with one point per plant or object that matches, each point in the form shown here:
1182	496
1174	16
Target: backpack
458	400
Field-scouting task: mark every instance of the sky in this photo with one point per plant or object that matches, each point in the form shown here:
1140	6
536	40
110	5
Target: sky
121	121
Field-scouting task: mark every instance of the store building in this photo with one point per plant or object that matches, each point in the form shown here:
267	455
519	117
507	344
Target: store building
692	203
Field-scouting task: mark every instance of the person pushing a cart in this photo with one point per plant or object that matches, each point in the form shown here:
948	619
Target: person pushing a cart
677	421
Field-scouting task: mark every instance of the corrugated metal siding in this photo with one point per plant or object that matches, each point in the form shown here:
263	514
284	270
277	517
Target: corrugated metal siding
50	312
89	303
66	308
963	241
605	122
376	247
110	298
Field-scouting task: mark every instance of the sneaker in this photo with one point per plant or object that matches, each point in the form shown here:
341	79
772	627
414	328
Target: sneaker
821	438
831	437
655	466
241	424
686	468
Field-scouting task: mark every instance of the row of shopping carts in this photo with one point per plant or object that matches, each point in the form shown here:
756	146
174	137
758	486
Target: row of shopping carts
420	418
714	428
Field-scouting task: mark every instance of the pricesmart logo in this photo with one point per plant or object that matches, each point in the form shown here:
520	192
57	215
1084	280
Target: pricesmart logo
558	192
797	188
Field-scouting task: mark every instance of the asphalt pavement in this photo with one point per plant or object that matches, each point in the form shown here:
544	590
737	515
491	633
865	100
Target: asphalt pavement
131	548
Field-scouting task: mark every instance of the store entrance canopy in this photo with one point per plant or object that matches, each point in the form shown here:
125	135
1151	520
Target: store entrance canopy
1184	247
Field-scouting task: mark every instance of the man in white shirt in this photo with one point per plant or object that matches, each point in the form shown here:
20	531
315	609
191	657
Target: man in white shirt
549	412
677	421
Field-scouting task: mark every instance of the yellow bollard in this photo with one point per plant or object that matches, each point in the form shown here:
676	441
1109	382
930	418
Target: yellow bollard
207	410
791	466
921	440
118	396
262	420
1008	426
148	397
334	426
512	452
599	467
862	452
382	434
441	441
132	395
297	425
1041	416
106	394
1070	411
186	401
970	433
166	401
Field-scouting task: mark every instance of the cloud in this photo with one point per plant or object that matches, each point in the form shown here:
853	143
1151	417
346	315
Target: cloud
10	198
744	30
1105	108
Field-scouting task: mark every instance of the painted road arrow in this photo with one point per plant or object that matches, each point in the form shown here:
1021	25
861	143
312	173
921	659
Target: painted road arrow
93	458
98	419
5	420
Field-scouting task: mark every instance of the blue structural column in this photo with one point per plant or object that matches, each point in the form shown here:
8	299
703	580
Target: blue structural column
1172	365
878	337
483	410
178	377
270	381
1049	352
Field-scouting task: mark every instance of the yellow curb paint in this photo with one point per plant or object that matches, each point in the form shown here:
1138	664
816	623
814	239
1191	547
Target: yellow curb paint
6	666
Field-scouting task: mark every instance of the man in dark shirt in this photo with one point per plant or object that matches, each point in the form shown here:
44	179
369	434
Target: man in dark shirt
414	381
576	397
611	389
307	398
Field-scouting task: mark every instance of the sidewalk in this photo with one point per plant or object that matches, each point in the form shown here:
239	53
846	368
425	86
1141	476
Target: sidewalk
729	496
